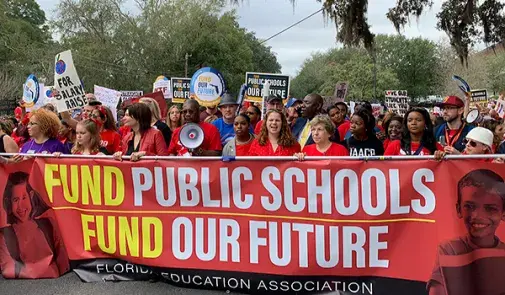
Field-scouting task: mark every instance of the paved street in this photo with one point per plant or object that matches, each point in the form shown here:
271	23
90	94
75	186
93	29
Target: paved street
71	284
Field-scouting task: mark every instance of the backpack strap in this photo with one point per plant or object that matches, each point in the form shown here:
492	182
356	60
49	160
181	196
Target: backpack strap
11	241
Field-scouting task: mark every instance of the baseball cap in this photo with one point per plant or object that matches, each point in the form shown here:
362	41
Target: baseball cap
292	101
452	101
271	98
482	135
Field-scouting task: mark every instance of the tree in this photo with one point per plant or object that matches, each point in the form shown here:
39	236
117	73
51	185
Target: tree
24	43
459	19
414	61
127	52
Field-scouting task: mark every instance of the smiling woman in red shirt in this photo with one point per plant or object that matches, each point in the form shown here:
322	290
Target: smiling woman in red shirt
110	138
144	140
275	138
322	129
418	138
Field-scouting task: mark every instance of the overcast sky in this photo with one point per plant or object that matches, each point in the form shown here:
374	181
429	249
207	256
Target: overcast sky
267	17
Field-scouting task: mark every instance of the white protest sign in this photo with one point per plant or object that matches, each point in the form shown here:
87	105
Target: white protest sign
500	108
66	81
41	101
163	84
108	97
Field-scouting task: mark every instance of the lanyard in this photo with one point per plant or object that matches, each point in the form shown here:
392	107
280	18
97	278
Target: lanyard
417	152
455	137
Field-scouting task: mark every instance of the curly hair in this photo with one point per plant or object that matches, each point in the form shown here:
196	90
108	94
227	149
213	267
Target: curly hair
94	130
285	137
368	120
49	123
491	125
38	205
428	140
107	117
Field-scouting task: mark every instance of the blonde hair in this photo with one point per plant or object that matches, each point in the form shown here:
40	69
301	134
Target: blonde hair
325	121
153	106
285	137
93	129
49	123
169	122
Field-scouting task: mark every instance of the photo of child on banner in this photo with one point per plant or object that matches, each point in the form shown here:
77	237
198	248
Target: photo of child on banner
474	263
27	223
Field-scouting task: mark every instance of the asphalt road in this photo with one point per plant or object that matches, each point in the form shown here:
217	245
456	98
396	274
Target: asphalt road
71	284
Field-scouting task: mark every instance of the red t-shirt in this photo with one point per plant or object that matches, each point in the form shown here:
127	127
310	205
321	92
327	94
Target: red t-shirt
257	129
451	133
111	141
123	130
211	140
267	150
335	150
343	129
394	149
386	143
243	149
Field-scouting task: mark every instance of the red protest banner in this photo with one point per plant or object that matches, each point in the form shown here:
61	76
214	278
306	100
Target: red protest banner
297	226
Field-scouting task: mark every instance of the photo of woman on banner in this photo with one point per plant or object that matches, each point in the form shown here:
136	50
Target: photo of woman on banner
474	264
31	246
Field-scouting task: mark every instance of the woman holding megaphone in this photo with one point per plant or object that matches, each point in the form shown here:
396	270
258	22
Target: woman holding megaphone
144	140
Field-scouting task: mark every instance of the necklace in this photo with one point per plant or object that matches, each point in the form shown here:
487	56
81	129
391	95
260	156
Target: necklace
244	142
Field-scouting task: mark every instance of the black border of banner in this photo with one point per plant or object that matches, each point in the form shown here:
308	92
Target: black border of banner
86	270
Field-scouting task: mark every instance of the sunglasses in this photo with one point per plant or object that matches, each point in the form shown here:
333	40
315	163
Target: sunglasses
470	142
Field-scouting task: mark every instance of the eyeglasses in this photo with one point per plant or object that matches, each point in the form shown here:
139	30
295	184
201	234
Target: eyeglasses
32	124
250	113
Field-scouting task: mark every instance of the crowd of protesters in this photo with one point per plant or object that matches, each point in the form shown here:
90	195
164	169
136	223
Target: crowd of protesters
298	128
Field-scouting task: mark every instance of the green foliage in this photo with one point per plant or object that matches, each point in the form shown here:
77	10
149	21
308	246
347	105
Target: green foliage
402	63
127	52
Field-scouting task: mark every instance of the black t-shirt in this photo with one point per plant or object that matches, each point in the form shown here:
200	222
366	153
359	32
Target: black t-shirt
367	148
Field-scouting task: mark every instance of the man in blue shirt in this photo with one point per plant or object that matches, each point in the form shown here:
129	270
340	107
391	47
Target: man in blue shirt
228	108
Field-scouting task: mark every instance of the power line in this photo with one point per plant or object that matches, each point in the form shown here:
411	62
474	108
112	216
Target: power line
298	22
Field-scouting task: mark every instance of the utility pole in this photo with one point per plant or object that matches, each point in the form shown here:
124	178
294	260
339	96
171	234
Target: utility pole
186	57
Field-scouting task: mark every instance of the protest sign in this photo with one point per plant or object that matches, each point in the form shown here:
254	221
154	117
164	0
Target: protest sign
162	84
479	97
180	89
341	91
279	85
377	109
397	101
41	101
162	103
500	108
108	97
126	95
66	81
257	228
31	91
207	86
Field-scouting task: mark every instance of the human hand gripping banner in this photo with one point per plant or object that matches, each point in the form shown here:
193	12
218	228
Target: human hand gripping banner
388	227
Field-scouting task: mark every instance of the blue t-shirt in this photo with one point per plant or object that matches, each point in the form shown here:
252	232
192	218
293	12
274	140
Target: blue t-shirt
226	130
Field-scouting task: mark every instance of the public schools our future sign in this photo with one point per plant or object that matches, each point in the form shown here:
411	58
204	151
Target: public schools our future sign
279	85
381	228
66	81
